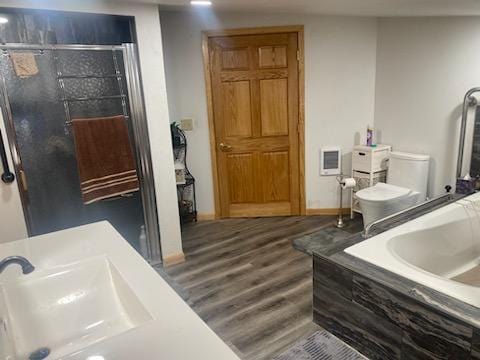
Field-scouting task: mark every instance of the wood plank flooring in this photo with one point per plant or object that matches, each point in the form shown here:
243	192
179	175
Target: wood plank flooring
244	279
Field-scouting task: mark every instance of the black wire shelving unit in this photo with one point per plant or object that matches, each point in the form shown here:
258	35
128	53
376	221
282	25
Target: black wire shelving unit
187	202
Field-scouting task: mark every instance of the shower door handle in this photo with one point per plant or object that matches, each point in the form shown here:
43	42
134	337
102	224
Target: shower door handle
7	176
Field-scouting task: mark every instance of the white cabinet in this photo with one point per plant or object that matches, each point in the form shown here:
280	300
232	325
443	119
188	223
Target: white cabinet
369	166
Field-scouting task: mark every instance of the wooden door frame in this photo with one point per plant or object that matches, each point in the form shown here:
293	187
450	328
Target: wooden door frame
298	29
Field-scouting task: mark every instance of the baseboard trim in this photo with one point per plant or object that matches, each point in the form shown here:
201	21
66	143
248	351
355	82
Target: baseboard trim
309	212
205	216
328	211
174	259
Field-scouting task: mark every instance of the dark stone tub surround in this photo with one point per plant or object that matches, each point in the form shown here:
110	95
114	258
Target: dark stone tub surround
386	316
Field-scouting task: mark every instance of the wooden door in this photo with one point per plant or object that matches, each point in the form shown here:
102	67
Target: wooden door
255	95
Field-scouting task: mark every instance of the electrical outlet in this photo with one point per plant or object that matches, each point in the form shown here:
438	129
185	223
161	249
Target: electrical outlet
186	124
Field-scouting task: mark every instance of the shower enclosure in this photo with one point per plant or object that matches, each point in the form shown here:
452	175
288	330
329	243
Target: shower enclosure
76	81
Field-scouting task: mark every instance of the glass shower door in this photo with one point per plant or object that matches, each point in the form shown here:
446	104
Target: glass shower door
69	84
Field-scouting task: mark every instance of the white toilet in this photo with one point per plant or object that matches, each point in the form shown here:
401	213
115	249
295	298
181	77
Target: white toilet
406	186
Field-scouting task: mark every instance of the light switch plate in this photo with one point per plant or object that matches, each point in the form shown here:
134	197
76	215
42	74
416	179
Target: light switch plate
186	124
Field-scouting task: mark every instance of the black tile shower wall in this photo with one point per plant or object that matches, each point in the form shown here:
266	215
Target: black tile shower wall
58	27
383	323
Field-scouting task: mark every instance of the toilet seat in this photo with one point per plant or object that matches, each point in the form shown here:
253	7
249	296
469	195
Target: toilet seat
382	200
382	192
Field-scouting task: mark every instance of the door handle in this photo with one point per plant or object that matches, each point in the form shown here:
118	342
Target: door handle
7	176
24	180
225	147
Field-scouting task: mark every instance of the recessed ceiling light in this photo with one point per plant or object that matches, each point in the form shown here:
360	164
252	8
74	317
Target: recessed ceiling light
200	2
3	20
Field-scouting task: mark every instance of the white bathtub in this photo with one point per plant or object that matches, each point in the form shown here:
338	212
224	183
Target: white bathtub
431	249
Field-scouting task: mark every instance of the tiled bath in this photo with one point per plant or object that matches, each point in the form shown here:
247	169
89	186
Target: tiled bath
387	317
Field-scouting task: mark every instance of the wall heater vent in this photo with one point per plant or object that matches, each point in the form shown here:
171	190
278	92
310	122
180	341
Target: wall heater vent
330	161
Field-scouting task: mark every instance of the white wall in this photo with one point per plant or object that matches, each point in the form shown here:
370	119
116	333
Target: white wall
340	55
151	62
424	68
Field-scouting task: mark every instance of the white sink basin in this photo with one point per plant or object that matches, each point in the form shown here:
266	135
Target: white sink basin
66	309
92	296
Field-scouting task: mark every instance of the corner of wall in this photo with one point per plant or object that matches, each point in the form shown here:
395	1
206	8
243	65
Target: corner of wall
374	112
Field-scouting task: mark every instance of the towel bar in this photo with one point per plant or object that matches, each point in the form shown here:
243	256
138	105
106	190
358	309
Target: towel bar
118	75
107	97
69	122
88	76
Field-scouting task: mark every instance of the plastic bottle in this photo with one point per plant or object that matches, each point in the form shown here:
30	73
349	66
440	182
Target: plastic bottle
369	136
142	239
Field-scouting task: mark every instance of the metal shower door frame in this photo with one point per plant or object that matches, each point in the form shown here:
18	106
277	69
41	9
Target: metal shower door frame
140	130
143	150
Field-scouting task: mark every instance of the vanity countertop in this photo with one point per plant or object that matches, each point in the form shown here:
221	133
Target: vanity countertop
172	330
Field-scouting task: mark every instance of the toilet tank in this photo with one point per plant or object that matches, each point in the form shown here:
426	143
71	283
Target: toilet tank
409	171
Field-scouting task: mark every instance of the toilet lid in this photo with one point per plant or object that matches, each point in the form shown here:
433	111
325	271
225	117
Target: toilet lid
382	192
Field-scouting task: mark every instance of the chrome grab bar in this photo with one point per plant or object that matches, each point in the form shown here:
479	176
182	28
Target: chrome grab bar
7	176
368	228
468	101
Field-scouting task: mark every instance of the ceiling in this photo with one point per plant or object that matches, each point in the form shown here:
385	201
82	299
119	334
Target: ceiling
342	7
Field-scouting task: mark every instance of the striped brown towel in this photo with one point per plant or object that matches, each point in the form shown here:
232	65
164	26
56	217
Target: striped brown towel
106	165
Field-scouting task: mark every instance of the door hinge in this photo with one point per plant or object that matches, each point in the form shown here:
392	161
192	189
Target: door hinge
298	55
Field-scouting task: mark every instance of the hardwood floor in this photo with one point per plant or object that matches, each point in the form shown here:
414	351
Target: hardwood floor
245	280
